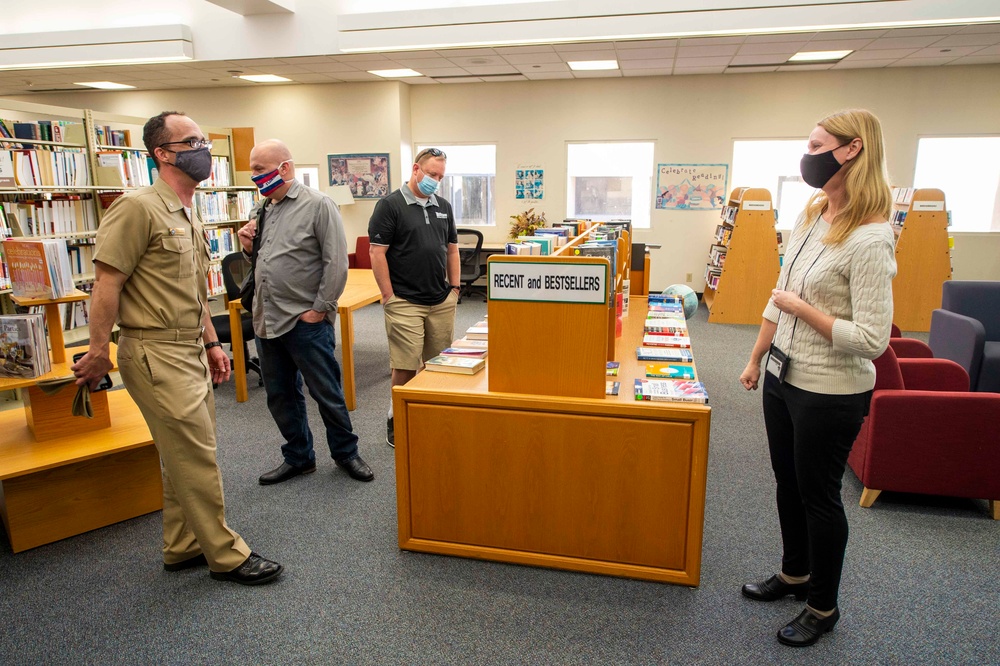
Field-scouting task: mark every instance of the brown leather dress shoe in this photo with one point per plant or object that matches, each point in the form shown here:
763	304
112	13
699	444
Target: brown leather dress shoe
191	562
284	472
357	468
255	570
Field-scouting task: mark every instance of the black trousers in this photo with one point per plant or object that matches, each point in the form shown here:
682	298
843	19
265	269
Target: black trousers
810	436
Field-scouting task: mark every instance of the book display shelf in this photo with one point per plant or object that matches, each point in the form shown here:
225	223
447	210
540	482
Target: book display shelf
62	475
545	469
743	262
923	256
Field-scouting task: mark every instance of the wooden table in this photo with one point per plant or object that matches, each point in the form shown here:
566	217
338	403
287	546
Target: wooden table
77	482
361	290
609	485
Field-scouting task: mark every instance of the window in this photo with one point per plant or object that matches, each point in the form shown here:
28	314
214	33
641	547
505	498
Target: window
967	170
608	181
468	182
773	164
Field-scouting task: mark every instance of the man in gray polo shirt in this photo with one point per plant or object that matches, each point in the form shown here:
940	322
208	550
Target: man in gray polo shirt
300	272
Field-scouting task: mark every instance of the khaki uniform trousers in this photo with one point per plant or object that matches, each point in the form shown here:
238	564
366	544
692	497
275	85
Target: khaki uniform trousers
169	381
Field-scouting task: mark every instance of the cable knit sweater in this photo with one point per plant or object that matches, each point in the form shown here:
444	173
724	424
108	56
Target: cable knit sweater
851	281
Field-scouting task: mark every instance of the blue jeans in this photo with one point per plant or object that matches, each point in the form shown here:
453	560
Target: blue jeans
306	349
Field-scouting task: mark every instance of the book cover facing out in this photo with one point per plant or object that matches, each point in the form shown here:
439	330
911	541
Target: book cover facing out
29	269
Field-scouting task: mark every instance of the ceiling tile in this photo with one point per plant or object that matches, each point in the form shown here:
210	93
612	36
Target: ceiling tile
413	55
354	58
584	46
763	59
599	74
850	34
837	45
988	51
685	51
419	81
646	54
685	63
646	44
330	67
976	29
512	77
360	76
786	48
945	52
930	30
514	50
490	69
698	70
902	42
543	76
464	79
647	72
369	65
851	63
777	39
478	61
983	39
883	54
305	60
465	53
420	64
712	41
750	70
806	68
282	70
652	63
921	62
532	58
577	56
443	71
543	67
977	60
311	78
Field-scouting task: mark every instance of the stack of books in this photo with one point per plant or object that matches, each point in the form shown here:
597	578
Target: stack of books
457	364
670	390
24	352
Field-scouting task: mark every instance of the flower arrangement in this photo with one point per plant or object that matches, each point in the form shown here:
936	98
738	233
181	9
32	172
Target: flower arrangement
524	224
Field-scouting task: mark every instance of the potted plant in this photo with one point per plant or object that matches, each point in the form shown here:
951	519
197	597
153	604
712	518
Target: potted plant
524	224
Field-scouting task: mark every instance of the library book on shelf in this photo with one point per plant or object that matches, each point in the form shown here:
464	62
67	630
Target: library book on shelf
23	346
455	364
671	390
39	268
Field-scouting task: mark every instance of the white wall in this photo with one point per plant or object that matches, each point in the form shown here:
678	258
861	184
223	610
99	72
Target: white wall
692	119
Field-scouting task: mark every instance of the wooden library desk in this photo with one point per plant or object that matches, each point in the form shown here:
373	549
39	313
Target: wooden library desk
77	482
361	290
610	486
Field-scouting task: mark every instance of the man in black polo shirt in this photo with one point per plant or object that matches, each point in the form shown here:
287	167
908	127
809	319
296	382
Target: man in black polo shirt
414	254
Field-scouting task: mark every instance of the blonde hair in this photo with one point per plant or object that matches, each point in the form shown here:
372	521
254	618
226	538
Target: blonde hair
866	177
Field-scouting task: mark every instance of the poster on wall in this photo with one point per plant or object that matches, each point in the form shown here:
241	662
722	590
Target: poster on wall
367	174
691	186
529	183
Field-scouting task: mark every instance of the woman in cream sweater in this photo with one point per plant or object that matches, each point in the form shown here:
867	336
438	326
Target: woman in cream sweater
829	316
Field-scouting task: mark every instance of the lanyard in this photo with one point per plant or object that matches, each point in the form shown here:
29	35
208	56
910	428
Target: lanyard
788	276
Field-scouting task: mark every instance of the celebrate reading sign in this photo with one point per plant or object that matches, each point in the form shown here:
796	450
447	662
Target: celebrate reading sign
548	282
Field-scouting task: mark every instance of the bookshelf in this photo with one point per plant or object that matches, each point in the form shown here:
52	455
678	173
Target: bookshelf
923	256
743	261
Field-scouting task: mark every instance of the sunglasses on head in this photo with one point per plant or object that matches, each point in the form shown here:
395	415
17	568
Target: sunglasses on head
433	152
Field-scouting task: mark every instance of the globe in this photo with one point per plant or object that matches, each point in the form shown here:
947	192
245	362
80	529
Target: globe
687	295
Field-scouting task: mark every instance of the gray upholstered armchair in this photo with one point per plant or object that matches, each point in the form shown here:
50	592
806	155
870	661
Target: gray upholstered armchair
967	330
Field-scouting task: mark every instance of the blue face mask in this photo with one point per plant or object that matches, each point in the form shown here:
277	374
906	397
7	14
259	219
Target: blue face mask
427	185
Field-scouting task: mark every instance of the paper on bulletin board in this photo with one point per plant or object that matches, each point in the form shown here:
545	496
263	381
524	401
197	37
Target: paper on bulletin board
691	186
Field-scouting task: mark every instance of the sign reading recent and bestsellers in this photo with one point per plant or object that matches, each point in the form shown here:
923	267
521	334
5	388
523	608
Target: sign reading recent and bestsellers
548	282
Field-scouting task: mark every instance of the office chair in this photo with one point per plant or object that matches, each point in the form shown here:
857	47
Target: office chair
470	247
234	269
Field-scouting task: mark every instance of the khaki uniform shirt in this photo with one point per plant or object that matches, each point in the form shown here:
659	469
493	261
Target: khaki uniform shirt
147	236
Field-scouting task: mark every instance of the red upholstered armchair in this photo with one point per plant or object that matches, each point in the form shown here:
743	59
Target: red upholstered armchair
360	258
926	433
908	347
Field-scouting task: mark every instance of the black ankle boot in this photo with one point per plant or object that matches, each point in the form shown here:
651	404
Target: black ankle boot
774	588
806	629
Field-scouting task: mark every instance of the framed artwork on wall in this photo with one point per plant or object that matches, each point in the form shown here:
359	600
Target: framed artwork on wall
367	174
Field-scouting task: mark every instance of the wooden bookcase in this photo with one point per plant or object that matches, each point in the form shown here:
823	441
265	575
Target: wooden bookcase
751	259
923	259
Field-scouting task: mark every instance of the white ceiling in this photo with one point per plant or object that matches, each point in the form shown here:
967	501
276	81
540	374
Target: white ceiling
872	48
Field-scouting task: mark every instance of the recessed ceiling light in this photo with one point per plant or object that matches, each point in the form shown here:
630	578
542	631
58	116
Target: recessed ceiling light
394	73
105	85
592	65
264	78
819	56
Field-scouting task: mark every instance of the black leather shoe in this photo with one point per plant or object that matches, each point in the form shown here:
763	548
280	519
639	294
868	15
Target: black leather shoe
285	472
806	629
189	563
390	434
255	570
774	588
357	468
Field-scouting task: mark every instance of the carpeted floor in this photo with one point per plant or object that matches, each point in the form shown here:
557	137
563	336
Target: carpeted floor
920	583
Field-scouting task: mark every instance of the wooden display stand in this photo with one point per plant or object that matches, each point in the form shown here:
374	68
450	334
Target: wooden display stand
751	265
62	475
923	261
602	485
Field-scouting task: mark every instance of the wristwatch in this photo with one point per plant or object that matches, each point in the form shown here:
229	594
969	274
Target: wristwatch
214	343
457	286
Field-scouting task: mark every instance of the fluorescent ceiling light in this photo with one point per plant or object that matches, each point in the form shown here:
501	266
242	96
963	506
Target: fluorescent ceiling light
105	46
394	73
263	78
819	56
592	65
105	85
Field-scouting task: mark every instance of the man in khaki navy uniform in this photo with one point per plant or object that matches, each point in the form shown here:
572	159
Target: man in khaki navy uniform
151	268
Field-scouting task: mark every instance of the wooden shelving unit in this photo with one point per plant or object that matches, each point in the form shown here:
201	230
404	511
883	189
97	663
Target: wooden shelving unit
923	259
751	259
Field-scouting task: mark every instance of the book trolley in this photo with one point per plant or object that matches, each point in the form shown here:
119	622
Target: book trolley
62	475
923	258
743	262
543	468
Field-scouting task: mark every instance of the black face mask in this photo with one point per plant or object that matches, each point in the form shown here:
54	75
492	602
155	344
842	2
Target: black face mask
817	170
197	163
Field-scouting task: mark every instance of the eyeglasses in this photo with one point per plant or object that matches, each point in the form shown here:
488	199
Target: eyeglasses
433	152
194	143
